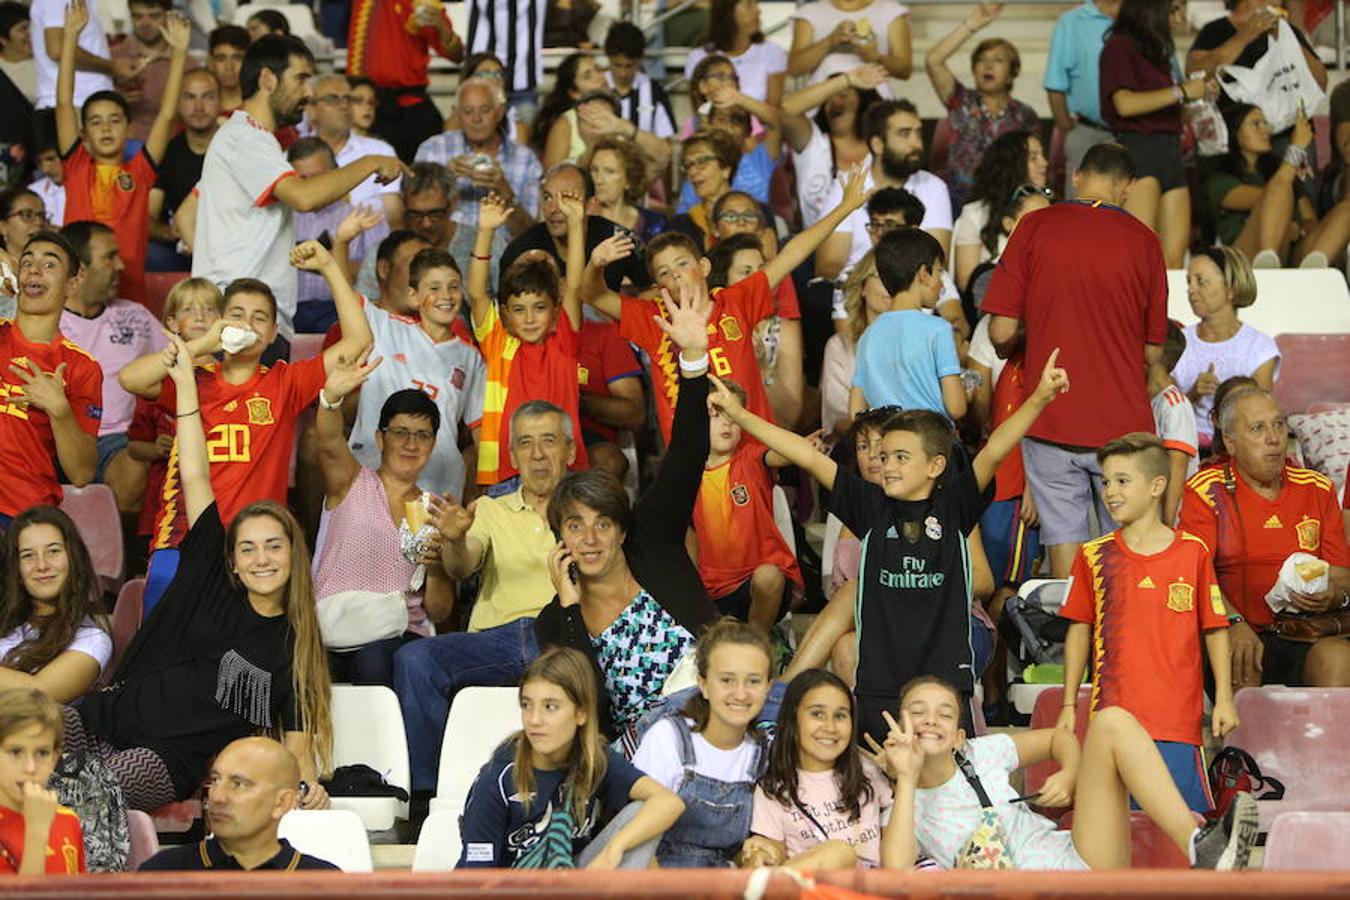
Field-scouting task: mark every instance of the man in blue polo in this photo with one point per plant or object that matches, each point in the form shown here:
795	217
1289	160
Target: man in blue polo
1072	83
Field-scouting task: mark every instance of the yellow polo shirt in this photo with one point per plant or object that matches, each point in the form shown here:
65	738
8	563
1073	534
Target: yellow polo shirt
516	544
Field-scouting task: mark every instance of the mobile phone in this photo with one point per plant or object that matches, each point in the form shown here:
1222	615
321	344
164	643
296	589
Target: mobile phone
573	571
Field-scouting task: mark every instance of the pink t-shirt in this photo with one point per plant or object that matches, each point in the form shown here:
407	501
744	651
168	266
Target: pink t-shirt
818	793
124	331
358	550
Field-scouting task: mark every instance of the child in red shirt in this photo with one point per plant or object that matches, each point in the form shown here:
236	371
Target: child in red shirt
530	349
101	184
36	835
1142	597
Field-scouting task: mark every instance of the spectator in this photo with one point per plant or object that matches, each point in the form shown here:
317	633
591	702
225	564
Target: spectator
489	68
1270	509
636	601
708	751
389	271
507	539
391	44
245	224
1025	198
1174	423
746	566
429	355
21	216
907	358
330	115
54	389
612	397
429	208
761	66
595	114
619	174
265	22
148	50
484	159
865	299
115	331
50	639
363	104
1219	346
1218	451
227	46
512	31
16	54
1073	78
96	71
181	167
567	23
361	550
1052	258
894	136
643	101
977	116
95	139
1011	160
709	159
38	836
731	115
1142	98
833	36
233	649
558	767
253	782
51	185
1262	207
578	75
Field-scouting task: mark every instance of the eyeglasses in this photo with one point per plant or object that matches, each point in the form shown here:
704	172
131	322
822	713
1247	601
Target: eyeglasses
29	215
1028	190
337	99
735	218
881	226
487	73
426	215
403	435
698	162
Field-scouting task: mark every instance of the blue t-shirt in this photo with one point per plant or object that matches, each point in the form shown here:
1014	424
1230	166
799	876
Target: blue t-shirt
752	177
902	357
498	825
1075	51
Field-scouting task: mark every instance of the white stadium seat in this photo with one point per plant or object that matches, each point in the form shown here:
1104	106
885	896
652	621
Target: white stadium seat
333	835
368	728
480	719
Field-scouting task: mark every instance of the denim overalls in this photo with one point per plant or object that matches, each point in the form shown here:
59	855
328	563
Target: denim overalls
716	815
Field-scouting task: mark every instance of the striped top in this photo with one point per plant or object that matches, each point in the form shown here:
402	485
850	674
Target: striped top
513	31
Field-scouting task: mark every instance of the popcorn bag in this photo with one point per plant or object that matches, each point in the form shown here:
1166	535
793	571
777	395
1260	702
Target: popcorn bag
1301	572
416	529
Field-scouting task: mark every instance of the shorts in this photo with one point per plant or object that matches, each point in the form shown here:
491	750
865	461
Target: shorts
1156	156
1067	484
109	445
1186	762
1012	547
1282	660
737	603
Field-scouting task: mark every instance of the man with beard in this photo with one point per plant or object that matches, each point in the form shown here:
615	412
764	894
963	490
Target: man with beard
894	136
146	46
181	168
245	225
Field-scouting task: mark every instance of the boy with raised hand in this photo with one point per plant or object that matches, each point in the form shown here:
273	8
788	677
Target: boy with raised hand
672	259
101	184
1149	593
914	592
529	338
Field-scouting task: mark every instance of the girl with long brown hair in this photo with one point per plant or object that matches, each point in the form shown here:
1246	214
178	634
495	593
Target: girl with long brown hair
231	650
539	801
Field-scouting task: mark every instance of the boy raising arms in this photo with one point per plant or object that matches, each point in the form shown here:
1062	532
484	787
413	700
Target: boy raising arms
1149	592
674	259
914	592
100	183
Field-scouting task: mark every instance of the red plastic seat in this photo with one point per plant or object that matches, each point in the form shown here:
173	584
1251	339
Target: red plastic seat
144	840
1150	847
1308	840
1314	368
1044	715
176	818
126	621
306	346
157	287
94	510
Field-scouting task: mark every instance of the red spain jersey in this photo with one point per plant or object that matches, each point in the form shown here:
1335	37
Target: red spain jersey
1253	536
1010	479
119	197
250	437
383	46
602	359
27	446
731	348
65	843
1148	615
733	519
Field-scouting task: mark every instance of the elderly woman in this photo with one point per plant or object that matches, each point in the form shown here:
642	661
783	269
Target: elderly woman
1219	282
709	159
619	174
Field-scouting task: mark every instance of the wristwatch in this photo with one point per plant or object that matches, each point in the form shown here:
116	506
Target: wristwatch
1234	618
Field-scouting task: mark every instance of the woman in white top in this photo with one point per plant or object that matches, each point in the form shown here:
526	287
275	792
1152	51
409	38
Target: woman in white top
1219	282
865	298
1012	160
49	639
761	66
832	36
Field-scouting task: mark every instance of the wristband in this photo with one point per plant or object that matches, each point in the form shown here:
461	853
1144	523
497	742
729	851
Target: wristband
483	258
329	404
695	367
1235	618
1295	156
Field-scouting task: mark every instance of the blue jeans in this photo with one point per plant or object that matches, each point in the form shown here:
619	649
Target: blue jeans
429	672
371	664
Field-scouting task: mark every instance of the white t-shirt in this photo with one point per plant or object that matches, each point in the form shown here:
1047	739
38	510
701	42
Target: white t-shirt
1241	354
658	755
946	816
368	192
982	350
46	14
53	198
814	165
1174	419
932	190
823	16
243	231
89	639
451	373
753	67
974	216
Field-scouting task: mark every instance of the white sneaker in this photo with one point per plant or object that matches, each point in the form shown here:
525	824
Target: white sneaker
1315	259
1266	259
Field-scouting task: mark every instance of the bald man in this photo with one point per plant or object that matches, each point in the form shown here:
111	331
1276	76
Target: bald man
253	783
330	115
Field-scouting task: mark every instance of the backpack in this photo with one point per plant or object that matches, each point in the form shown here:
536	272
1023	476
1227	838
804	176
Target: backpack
1233	771
84	784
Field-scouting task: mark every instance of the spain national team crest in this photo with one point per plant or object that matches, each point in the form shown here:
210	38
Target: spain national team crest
740	494
731	329
259	411
1180	597
1309	533
125	182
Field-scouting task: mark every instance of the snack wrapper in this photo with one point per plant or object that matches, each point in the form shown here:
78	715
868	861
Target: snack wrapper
414	534
1301	572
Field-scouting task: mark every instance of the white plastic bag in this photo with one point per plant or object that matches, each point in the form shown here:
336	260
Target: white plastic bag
1291	579
1278	82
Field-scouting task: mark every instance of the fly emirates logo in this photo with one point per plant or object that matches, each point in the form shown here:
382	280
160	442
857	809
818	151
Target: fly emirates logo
912	576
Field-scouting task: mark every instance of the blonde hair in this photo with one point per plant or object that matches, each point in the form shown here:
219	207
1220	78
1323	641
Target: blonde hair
571	671
190	292
1236	271
21	707
854	304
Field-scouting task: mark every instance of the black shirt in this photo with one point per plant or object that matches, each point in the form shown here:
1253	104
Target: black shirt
204	670
208	854
914	589
179	172
598	229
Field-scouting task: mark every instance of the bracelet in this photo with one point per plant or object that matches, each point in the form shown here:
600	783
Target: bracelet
483	258
694	367
1295	156
192	413
329	404
1178	94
